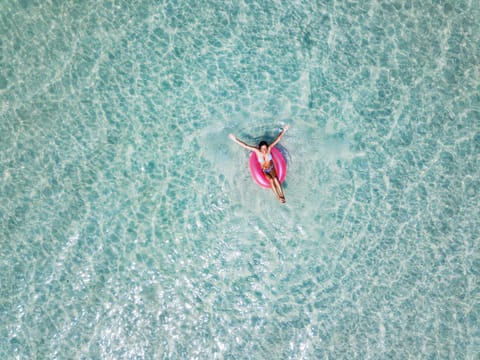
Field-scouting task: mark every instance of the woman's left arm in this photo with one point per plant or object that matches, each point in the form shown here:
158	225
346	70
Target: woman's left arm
241	143
275	142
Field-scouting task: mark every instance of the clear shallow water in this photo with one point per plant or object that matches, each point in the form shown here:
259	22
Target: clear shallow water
130	227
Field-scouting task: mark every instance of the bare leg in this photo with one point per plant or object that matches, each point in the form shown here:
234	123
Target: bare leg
279	190
274	189
275	185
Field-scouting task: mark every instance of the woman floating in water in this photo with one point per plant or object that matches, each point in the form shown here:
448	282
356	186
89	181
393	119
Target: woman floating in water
264	157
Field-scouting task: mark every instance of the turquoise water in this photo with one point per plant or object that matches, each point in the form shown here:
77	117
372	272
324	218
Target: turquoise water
130	227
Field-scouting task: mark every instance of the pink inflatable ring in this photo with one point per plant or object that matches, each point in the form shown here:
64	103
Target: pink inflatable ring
257	172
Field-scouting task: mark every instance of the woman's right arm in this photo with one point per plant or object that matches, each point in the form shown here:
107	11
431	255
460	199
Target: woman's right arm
285	128
241	143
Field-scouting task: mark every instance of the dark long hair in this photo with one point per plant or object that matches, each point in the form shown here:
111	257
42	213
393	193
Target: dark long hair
262	143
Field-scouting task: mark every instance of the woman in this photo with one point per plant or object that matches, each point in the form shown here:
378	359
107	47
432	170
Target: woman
264	157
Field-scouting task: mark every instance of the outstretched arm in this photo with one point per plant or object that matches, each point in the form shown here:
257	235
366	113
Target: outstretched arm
241	143
275	142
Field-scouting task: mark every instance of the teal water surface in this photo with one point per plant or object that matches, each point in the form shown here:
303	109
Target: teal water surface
130	227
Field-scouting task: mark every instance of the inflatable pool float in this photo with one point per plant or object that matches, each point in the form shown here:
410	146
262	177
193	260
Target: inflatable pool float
257	172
